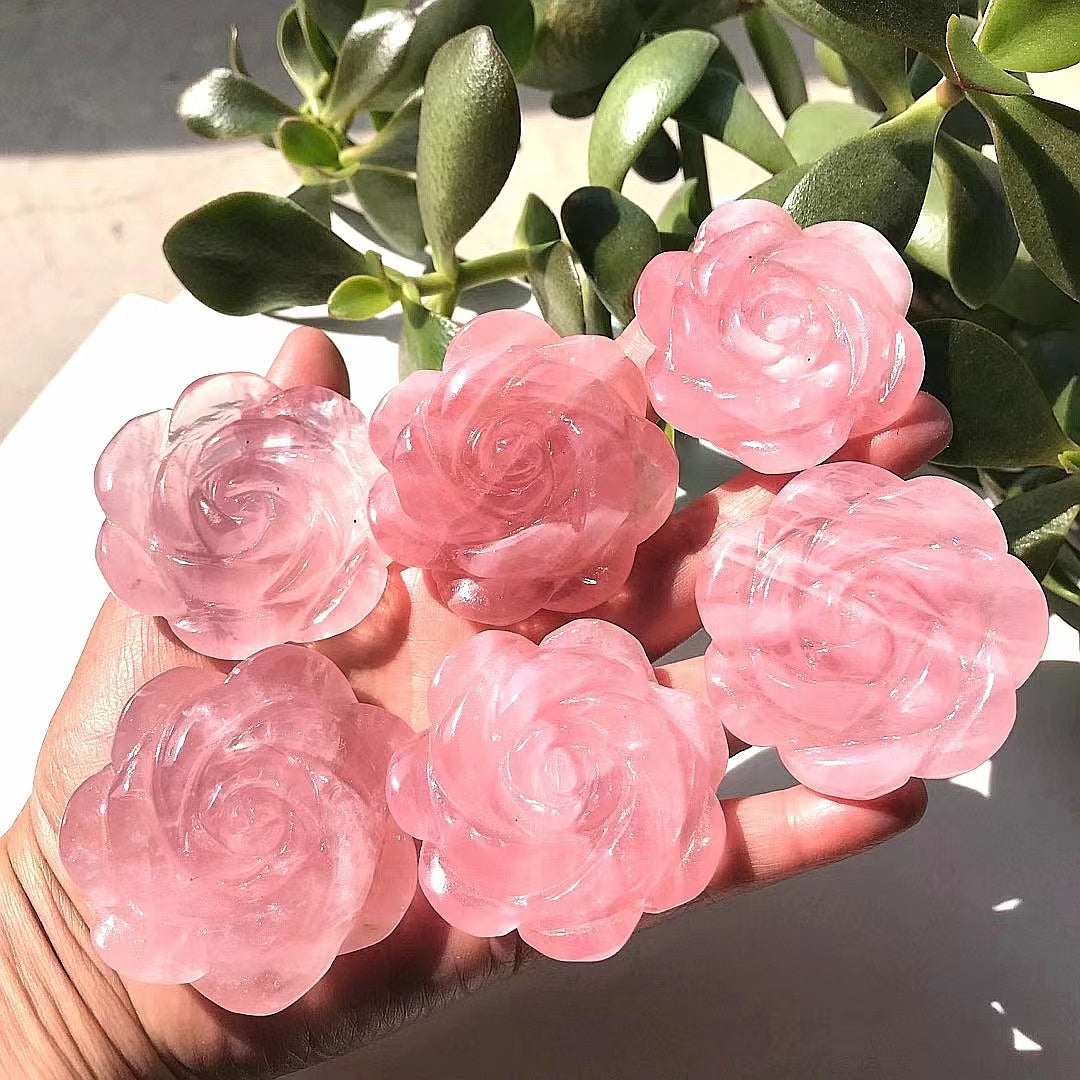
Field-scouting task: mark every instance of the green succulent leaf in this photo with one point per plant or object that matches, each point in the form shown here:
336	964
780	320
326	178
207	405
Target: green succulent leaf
614	239
1032	35
425	335
879	178
360	297
692	14
881	60
388	200
249	252
333	18
304	69
437	21
1036	522
317	200
537	224
236	55
370	54
647	90
779	61
777	188
554	281
919	24
307	144
831	64
1001	419
470	100
1038	151
394	145
225	105
577	104
973	70
821	126
578	44
678	215
1055	359
982	238
1029	295
723	108
660	160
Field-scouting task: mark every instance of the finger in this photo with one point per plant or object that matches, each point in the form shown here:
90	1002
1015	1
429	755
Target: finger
782	833
309	358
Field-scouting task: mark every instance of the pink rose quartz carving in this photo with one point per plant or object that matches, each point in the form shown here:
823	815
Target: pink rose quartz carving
778	344
239	515
524	475
239	839
870	628
561	791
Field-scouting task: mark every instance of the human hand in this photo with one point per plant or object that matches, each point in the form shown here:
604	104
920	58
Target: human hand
72	1011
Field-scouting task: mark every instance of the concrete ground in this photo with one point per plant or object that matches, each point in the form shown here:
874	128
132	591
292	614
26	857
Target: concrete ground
95	167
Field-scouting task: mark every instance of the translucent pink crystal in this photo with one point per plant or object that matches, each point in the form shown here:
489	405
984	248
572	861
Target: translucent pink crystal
239	838
561	791
870	628
777	344
524	475
239	515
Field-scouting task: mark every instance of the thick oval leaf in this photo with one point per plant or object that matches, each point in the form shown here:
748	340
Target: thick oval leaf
578	44
660	160
649	87
879	178
777	188
693	14
303	68
821	126
1001	418
973	70
332	17
777	57
1029	295
982	238
724	108
537	224
388	199
1032	35
831	64
360	297
437	21
881	61
679	213
226	105
370	54
249	252
919	24
470	124
1038	150
554	281
614	239
1055	359
394	145
307	144
1037	522
425	334
578	104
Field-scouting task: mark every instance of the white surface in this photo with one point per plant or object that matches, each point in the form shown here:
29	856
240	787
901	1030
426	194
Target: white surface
951	953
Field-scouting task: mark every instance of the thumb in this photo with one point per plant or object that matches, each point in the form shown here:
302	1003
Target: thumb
309	358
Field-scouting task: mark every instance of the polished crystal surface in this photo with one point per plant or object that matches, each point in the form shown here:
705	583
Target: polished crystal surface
238	515
870	628
524	475
777	344
561	791
239	837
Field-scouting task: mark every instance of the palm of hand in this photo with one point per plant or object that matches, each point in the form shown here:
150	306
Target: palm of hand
390	660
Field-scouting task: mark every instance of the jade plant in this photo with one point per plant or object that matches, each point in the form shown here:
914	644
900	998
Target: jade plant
407	112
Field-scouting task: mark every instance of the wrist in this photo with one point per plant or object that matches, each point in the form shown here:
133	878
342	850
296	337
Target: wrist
62	1013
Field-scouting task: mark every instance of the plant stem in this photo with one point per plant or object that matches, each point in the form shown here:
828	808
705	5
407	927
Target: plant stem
695	167
506	264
